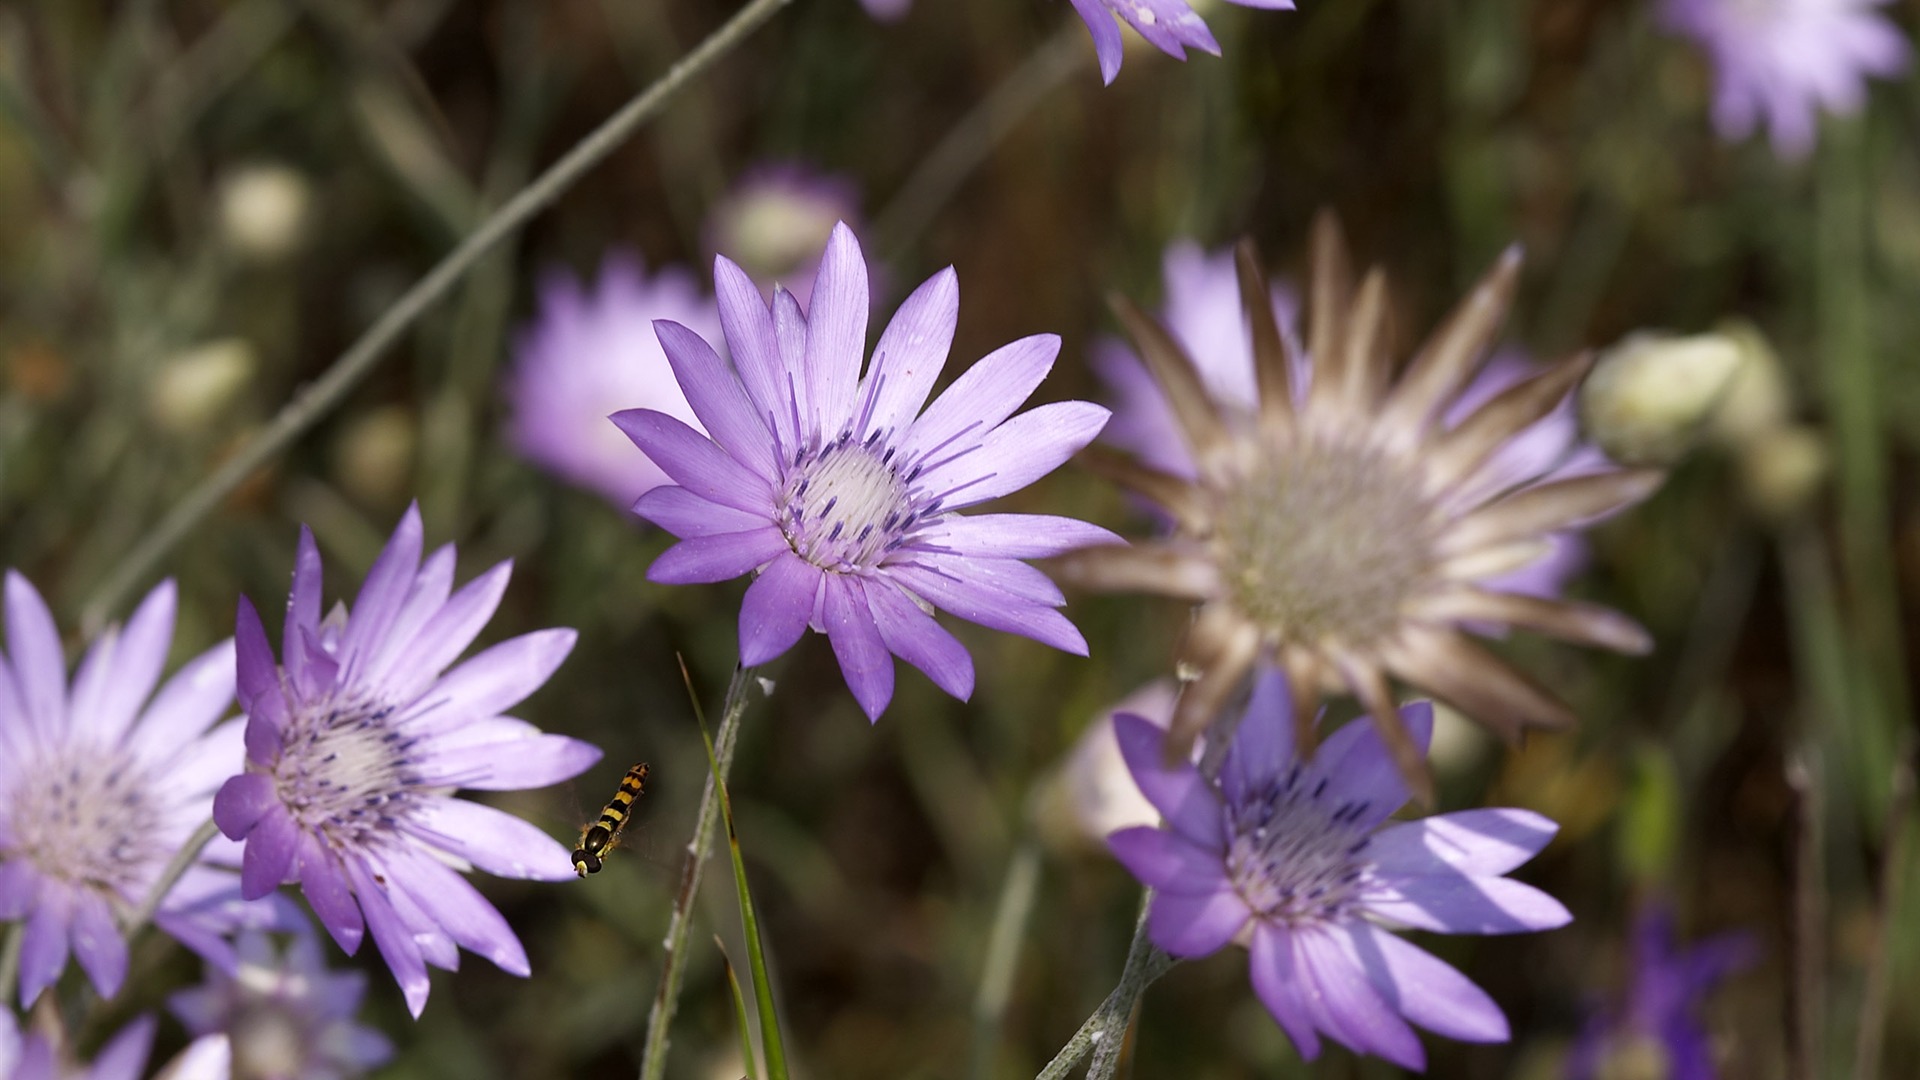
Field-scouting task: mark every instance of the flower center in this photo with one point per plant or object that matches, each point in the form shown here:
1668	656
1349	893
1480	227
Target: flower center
1294	857
1326	540
88	819
345	771
846	507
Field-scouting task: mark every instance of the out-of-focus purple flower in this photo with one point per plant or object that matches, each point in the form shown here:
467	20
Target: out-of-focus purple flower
102	782
1169	25
1778	62
842	494
1202	311
285	1015
591	352
357	740
1346	517
886	10
1659	1020
31	1055
1297	861
775	219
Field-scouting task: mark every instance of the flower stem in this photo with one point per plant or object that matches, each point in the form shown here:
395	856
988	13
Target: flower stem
169	877
1003	954
10	961
314	402
1108	1024
653	1061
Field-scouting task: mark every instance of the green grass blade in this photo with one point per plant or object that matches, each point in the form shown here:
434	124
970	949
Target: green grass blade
739	1011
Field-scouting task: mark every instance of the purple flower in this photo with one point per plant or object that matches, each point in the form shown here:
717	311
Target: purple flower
33	1056
284	1014
1296	861
1778	61
357	740
842	494
102	781
1659	1021
1169	25
886	10
776	218
591	352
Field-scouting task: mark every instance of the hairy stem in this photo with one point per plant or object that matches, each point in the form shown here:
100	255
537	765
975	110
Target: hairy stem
653	1061
1108	1024
332	387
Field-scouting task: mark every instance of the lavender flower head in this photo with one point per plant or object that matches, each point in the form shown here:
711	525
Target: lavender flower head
775	219
590	352
285	1015
886	10
1171	26
1658	1024
33	1056
1777	62
101	783
357	740
1297	861
841	494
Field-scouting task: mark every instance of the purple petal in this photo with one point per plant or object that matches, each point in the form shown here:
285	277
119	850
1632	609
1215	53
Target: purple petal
1017	453
1106	36
43	952
913	636
323	881
1485	842
980	602
271	844
122	669
446	635
705	559
1458	904
1010	576
718	399
257	674
836	331
910	355
1281	984
39	665
208	1057
125	1056
188	703
500	677
1263	741
777	608
452	902
1354	1013
199	767
790	332
1177	790
97	943
1360	768
983	396
1196	924
863	656
696	462
687	515
1423	988
1166	861
303	605
383	593
512	766
425	597
393	936
493	840
748	327
1014	536
19	885
242	801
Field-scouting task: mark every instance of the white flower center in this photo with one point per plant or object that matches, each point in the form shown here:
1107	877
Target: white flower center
344	770
846	507
87	817
1326	540
1295	856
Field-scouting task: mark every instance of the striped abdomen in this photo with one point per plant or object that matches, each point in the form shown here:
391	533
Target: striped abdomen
600	837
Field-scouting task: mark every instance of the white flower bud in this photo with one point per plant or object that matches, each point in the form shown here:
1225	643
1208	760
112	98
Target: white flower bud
263	210
1649	395
1759	399
193	388
1783	468
373	457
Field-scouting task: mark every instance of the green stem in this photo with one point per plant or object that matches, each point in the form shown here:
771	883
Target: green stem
10	961
653	1061
318	399
1108	1025
169	877
1003	955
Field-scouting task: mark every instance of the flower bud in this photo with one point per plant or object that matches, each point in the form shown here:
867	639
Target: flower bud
1759	398
775	222
1649	396
191	389
1783	468
263	210
373	458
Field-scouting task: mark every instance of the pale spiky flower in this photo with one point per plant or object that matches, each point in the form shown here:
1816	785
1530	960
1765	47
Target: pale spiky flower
1346	529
